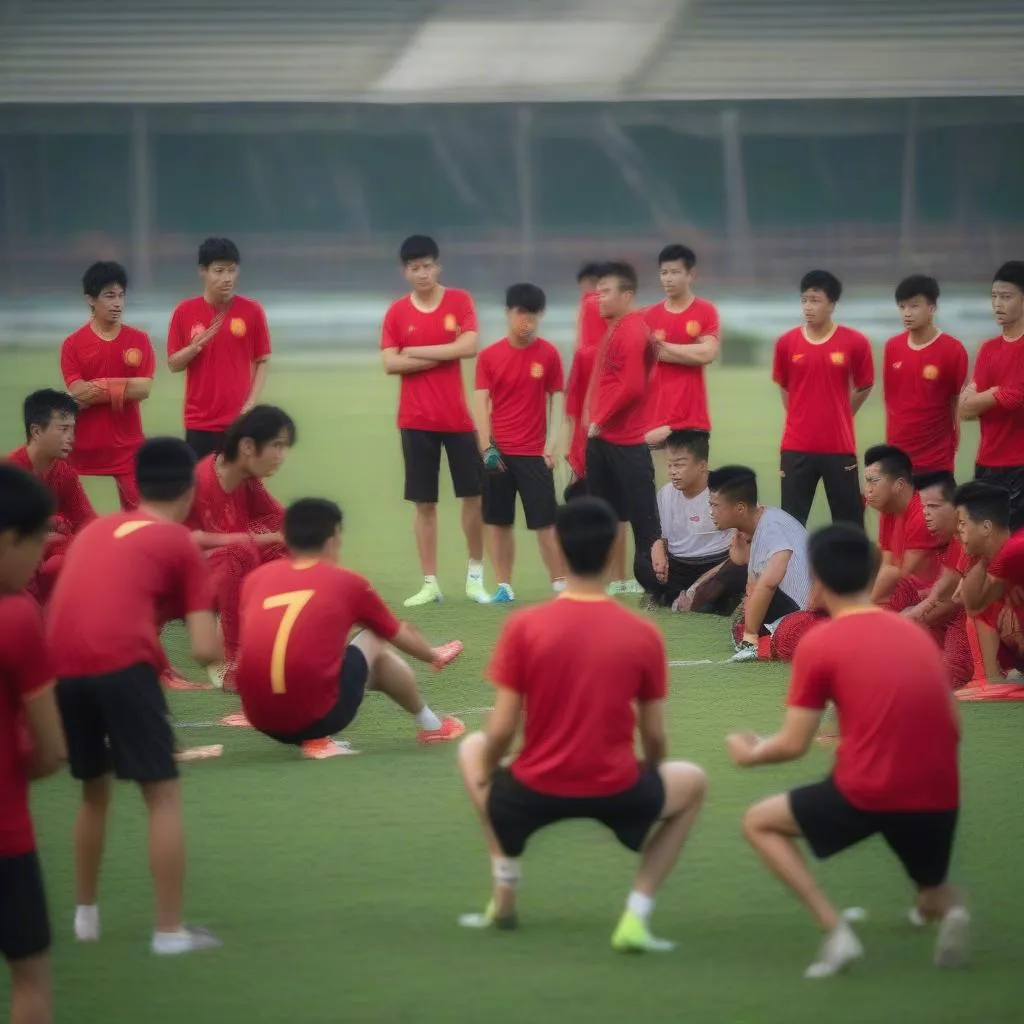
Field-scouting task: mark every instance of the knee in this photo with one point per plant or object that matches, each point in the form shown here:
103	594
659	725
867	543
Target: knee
96	793
689	780
753	823
369	644
426	511
471	750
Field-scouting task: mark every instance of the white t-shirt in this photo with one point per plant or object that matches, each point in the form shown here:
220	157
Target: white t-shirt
687	525
779	531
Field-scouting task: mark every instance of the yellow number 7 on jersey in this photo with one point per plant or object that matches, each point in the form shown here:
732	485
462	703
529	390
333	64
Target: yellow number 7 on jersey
292	602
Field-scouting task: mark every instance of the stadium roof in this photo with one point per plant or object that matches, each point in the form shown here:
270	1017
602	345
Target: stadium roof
416	51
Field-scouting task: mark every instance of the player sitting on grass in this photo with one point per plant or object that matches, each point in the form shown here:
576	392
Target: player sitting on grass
124	576
234	519
579	705
517	407
774	615
911	553
31	744
300	678
49	438
896	772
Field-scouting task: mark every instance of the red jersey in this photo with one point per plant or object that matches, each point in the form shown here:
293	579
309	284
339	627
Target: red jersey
590	325
120	575
680	393
955	558
219	379
1000	365
519	380
106	439
1008	565
908	531
24	674
580	374
898	733
921	389
579	697
431	399
818	380
617	397
73	505
249	508
295	621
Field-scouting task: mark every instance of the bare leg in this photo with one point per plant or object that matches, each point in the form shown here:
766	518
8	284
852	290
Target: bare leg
166	851
389	674
425	528
90	838
550	553
501	543
619	553
31	990
472	527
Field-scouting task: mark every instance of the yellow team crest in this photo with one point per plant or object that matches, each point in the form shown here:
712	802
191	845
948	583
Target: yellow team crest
693	328
930	372
450	323
132	357
536	371
838	358
237	327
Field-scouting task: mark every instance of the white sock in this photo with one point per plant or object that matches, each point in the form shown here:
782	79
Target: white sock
87	922
426	719
507	871
559	584
640	905
430	580
475	570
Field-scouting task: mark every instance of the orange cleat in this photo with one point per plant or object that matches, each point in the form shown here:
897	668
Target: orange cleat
236	721
451	729
199	753
173	681
446	654
320	750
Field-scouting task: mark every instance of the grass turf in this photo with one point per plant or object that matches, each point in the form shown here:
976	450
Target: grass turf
336	885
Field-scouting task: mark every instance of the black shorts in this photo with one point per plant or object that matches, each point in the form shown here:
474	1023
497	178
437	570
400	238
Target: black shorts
204	442
1012	478
118	722
516	811
355	674
531	478
421	450
24	921
623	474
922	840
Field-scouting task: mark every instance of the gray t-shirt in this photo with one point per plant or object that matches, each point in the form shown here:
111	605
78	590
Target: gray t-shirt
779	531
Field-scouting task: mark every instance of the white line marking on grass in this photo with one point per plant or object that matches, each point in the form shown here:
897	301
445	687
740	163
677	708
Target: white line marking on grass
687	664
217	724
472	711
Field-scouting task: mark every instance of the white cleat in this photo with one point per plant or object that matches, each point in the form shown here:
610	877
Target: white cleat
87	924
840	948
953	946
916	918
188	940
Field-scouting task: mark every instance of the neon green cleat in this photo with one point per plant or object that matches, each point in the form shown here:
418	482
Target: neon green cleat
429	593
615	588
476	591
633	936
631	587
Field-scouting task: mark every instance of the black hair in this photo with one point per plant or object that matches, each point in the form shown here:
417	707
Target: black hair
918	284
418	247
41	406
737	483
625	272
981	501
165	468
1011	273
822	281
527	297
261	424
843	558
26	503
310	523
942	479
592	268
695	442
892	461
586	528
101	275
678	253
214	249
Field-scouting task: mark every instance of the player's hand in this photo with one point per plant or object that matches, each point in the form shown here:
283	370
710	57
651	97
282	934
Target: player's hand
550	457
915	612
204	339
741	747
659	561
446	654
594	430
657	437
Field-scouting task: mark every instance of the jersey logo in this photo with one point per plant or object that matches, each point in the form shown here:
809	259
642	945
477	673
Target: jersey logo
896	366
132	357
797	356
838	358
196	330
930	372
536	371
127	529
237	327
693	328
695	519
450	323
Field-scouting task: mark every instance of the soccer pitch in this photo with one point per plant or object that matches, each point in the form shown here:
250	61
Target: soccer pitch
336	885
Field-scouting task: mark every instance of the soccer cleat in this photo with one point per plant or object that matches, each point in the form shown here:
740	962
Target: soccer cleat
236	721
632	935
952	948
614	588
631	587
321	750
87	924
476	591
429	593
489	919
175	681
916	918
187	940
451	729
744	652
840	948
503	595
446	654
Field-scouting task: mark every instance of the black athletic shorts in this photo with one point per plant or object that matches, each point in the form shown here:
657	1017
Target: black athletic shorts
801	472
118	722
204	442
531	478
1012	478
516	811
922	840
623	474
24	921
421	450
355	673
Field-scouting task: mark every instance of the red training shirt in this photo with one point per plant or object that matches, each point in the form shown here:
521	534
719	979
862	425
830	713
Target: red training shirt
431	399
1000	365
519	379
579	697
908	531
590	325
106	440
955	558
24	674
898	733
818	380
617	397
1008	564
921	389
120	573
73	505
680	394
219	379
580	374
295	621
249	508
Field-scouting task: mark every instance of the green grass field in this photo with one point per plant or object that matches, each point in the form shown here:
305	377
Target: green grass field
336	885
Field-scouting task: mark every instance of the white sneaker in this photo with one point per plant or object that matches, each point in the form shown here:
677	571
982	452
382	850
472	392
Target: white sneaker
953	946
187	940
87	924
916	918
840	948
